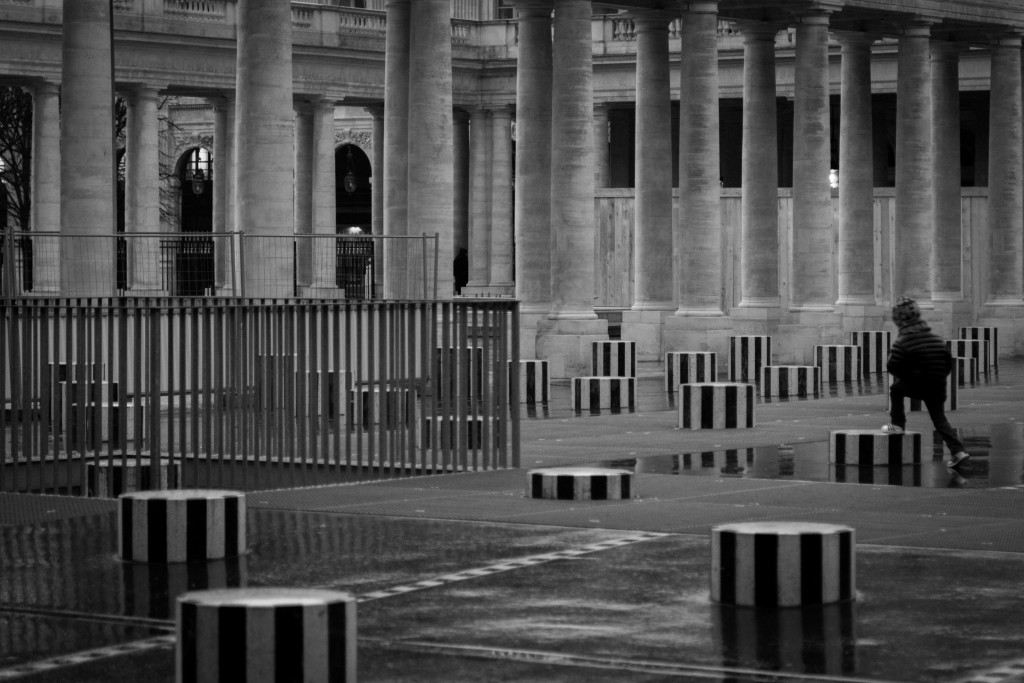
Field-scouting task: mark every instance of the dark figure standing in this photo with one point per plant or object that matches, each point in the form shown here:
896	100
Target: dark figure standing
919	362
460	270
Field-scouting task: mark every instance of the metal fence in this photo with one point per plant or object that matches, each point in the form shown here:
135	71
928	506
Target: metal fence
218	265
106	395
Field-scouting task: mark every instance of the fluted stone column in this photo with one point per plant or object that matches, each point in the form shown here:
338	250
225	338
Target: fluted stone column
460	146
759	243
223	115
431	153
652	255
87	160
565	337
396	147
699	233
912	273
265	137
303	194
324	200
479	201
46	185
946	254
602	150
699	321
377	195
856	173
1006	193
812	276
533	171
501	276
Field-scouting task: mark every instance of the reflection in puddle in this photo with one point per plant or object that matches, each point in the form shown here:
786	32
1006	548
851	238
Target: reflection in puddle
150	590
997	460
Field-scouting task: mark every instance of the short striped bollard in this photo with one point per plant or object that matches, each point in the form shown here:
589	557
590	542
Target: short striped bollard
534	380
597	393
838	362
970	348
181	526
874	350
874	448
580	483
785	381
716	405
614	358
967	371
264	635
782	564
689	367
747	355
991	351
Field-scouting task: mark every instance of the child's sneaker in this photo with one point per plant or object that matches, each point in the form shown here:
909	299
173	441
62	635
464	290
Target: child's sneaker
958	459
892	429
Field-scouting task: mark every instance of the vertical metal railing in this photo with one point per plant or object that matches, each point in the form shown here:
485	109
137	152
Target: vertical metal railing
252	393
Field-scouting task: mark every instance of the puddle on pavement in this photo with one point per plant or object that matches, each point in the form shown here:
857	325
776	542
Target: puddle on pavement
997	460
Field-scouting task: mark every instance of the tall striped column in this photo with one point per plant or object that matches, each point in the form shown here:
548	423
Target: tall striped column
181	526
265	635
782	564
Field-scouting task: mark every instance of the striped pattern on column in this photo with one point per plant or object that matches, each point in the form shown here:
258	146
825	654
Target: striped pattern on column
152	590
109	479
580	483
266	634
472	431
783	381
874	448
181	526
689	367
534	380
991	352
615	358
874	350
967	370
716	405
595	393
970	348
747	355
368	406
838	362
953	382
782	564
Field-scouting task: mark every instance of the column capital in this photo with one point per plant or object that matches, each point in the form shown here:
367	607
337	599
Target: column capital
855	39
1006	39
533	9
478	112
701	7
945	49
759	31
651	20
375	110
388	4
502	111
43	86
919	27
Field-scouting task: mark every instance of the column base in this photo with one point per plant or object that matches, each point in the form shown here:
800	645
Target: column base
802	330
645	328
528	321
858	317
566	345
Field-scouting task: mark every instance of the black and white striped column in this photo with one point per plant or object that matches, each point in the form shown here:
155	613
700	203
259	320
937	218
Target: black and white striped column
597	393
111	478
785	381
534	380
874	350
689	367
991	352
970	348
874	448
838	362
782	564
614	358
747	355
181	526
716	405
580	483
266	635
967	370
470	428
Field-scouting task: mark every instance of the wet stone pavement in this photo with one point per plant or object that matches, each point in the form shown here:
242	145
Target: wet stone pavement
464	578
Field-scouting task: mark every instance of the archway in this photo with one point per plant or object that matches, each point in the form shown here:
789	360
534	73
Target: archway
353	190
190	260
